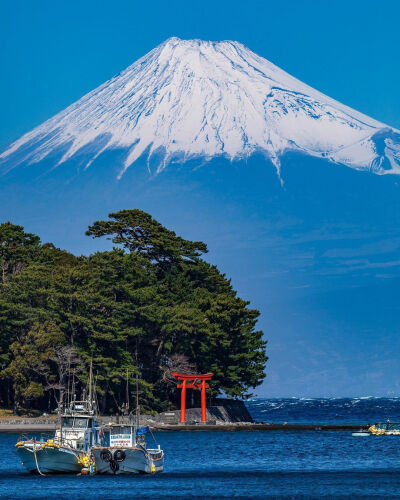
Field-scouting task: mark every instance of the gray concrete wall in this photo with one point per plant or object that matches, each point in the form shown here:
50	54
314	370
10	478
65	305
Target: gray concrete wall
222	410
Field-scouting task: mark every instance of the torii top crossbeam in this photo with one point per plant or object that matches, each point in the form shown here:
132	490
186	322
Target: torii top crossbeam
189	381
185	376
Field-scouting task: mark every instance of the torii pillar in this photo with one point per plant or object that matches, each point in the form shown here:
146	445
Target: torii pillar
193	382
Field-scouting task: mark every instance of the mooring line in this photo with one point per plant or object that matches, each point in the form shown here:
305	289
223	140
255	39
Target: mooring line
37	464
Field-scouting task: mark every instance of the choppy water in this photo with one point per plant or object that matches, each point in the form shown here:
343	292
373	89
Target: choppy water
267	464
325	411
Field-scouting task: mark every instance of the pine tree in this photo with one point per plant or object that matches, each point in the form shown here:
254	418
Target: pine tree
148	305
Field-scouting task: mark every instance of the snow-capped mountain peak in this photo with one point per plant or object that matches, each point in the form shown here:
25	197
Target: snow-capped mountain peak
189	98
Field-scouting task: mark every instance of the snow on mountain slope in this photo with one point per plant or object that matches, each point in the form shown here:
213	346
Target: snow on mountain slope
189	98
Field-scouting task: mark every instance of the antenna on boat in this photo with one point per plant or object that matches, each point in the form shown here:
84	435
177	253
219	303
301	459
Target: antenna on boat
137	401
127	393
73	395
68	384
91	386
137	387
95	398
60	422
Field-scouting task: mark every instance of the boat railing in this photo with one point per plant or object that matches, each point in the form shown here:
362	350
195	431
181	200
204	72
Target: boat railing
45	436
63	441
388	426
155	454
42	438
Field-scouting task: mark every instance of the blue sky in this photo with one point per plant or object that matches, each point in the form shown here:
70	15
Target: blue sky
54	52
325	326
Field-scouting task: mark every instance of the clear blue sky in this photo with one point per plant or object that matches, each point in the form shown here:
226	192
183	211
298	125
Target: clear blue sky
54	52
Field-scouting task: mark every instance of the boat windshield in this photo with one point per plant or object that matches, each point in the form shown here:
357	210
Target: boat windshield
121	429
76	422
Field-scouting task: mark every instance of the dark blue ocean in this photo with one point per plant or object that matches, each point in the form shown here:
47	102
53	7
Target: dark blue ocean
262	464
361	410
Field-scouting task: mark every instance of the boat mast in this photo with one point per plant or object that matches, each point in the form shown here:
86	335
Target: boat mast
137	402
137	388
60	415
127	393
90	386
73	395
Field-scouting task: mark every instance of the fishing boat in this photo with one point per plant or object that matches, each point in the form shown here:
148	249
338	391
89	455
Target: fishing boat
125	451
68	451
360	433
385	429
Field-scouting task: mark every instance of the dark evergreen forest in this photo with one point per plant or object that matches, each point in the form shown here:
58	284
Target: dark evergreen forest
150	306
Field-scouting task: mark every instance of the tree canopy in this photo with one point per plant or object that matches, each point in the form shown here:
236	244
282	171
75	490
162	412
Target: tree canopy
148	307
16	248
138	232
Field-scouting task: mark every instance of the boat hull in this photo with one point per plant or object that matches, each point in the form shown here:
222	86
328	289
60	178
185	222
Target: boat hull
135	461
50	460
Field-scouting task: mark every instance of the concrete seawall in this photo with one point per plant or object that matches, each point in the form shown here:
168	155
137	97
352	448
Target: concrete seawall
261	427
222	415
27	427
220	411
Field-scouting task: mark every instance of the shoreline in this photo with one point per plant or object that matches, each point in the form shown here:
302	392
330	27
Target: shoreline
25	427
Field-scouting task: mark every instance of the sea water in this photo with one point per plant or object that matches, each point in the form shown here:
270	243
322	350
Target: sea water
362	410
218	464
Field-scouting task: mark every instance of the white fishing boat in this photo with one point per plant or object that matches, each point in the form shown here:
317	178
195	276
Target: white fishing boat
125	452
124	449
360	433
69	449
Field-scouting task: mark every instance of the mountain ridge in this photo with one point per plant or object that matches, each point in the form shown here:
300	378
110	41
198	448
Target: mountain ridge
193	98
318	257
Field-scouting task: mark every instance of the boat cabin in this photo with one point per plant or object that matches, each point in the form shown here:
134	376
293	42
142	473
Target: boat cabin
119	436
77	422
78	427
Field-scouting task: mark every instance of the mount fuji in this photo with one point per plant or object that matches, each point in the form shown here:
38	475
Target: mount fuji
296	195
190	98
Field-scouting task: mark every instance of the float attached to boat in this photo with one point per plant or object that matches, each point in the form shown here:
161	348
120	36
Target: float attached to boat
125	452
69	449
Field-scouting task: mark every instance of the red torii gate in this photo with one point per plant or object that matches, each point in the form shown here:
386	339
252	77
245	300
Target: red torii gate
193	382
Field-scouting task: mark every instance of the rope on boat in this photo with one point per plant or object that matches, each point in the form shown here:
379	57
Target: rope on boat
37	464
152	435
34	451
